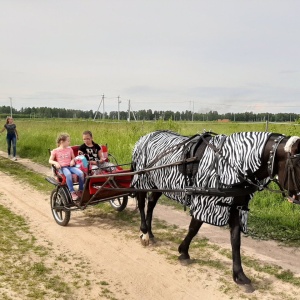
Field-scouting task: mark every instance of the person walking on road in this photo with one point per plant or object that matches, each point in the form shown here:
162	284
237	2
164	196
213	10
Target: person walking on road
11	137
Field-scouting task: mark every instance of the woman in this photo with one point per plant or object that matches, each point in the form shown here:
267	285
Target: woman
11	137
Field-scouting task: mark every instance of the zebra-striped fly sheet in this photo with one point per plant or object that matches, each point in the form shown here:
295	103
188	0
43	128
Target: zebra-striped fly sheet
240	154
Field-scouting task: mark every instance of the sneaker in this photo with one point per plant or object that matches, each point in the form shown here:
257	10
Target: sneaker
14	158
74	196
79	194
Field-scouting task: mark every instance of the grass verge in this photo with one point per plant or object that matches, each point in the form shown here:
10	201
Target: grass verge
24	266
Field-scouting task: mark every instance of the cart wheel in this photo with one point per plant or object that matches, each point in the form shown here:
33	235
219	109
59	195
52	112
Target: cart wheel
61	215
119	203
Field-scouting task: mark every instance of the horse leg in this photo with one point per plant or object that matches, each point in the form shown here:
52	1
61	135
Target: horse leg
235	236
144	236
183	248
152	200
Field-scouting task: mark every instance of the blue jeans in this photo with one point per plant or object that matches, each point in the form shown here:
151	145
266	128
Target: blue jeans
68	171
11	139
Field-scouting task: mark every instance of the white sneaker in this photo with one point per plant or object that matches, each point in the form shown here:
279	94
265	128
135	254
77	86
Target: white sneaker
14	158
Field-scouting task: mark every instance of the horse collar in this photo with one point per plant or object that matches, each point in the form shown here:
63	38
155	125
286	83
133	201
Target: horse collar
272	156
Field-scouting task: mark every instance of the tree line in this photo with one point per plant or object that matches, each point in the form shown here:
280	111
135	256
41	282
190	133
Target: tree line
147	115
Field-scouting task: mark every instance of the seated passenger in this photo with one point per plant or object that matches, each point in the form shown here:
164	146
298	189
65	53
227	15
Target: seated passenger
63	159
94	153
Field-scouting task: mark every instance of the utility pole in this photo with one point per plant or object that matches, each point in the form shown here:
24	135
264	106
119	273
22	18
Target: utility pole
267	123
193	112
10	107
119	101
103	117
128	118
102	99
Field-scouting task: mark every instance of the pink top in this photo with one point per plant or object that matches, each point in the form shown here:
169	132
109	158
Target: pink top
63	156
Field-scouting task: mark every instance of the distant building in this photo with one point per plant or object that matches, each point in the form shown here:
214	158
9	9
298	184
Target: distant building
224	120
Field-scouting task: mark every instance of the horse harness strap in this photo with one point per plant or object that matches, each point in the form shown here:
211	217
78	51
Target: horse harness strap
195	149
215	163
272	157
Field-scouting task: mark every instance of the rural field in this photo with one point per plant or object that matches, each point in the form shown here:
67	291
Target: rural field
54	275
38	135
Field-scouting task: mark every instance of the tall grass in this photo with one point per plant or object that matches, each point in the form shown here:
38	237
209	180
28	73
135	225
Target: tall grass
272	217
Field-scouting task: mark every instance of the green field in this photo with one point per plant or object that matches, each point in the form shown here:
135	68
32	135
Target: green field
38	135
270	216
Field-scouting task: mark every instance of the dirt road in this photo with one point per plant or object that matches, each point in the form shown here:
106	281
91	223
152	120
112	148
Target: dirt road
134	271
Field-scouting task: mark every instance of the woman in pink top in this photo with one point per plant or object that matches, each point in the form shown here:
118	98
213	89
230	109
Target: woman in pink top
63	158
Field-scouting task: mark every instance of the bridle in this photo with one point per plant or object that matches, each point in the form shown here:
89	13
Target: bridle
289	172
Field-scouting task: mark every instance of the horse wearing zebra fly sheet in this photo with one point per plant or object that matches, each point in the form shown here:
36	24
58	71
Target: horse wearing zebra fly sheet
220	178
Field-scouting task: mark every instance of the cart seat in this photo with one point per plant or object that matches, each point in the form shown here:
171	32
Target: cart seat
105	152
75	149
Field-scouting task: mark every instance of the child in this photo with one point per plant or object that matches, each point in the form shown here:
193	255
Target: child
91	149
63	158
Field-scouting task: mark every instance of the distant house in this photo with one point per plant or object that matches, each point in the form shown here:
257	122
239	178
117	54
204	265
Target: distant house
224	120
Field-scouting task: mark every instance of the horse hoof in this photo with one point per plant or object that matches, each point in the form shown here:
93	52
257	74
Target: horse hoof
248	288
144	239
184	259
144	243
184	262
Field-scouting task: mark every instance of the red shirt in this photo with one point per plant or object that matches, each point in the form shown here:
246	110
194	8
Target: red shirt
63	156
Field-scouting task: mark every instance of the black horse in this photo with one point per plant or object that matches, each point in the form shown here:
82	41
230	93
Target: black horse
277	159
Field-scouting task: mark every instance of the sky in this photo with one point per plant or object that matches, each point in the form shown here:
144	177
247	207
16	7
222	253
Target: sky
198	55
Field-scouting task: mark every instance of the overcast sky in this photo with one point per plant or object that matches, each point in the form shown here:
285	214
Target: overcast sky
201	55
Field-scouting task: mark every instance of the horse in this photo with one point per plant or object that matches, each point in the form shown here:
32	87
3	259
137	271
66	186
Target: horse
216	176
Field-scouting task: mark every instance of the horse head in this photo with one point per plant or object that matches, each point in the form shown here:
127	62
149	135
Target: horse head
281	159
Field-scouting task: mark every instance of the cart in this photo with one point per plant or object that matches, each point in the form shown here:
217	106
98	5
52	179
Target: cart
108	186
